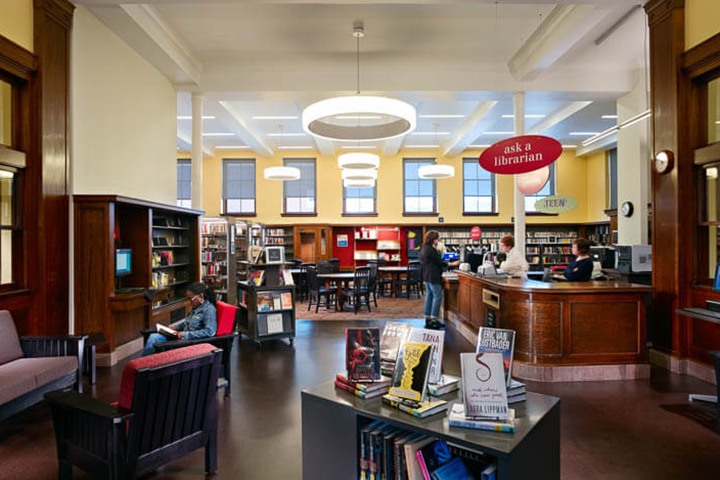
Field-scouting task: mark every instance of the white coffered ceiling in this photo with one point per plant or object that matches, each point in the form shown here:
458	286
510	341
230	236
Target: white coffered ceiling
465	58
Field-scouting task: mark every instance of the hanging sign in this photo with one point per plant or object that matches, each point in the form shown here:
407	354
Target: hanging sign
531	183
475	233
520	154
555	204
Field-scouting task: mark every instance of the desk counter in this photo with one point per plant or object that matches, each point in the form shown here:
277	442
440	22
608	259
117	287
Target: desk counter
599	325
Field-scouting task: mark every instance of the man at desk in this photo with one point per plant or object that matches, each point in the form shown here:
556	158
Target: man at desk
581	269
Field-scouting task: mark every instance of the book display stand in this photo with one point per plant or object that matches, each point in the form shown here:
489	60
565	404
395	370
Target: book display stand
332	420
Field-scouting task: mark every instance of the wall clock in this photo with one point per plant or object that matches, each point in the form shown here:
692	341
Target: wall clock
664	161
626	209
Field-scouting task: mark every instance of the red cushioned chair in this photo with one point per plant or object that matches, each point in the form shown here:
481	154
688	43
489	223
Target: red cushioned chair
166	409
224	338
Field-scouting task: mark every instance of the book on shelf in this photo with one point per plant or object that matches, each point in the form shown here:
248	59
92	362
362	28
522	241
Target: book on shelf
393	335
457	418
364	457
411	371
364	394
257	277
499	340
413	467
437	339
287	277
167	332
483	383
277	302
265	302
447	384
455	469
362	359
286	300
432	456
416	409
383	383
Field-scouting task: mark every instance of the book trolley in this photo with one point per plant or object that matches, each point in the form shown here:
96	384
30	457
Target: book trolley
332	420
267	311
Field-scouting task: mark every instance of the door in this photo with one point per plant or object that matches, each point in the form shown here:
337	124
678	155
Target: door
307	246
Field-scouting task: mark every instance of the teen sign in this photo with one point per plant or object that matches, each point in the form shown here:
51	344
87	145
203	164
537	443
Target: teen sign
520	154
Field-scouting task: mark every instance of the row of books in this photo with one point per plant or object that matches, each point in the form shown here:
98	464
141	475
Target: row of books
257	277
393	453
213	269
214	228
269	301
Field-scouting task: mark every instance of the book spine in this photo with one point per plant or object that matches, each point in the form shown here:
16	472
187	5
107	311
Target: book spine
402	407
363	455
423	465
481	426
349	388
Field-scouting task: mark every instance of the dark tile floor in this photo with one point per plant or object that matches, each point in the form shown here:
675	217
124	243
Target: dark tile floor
610	430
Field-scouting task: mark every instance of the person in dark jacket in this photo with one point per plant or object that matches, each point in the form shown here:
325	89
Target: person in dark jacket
432	269
201	323
581	269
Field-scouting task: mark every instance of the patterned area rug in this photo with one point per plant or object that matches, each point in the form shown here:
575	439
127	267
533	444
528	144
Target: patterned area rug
388	308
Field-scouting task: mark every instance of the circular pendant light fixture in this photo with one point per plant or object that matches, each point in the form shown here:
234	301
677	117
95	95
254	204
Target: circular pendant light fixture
358	183
436	171
359	174
359	118
281	173
358	160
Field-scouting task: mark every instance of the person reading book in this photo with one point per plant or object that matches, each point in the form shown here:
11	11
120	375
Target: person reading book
201	323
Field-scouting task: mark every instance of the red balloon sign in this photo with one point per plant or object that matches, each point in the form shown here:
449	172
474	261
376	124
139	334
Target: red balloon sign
520	154
475	233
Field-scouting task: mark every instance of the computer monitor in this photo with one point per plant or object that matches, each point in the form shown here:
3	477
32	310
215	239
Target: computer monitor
475	260
123	262
274	255
450	256
716	282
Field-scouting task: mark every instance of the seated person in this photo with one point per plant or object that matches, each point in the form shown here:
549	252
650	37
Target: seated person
581	269
515	263
201	323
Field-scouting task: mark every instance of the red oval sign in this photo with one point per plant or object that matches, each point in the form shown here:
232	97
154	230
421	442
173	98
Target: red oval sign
475	233
520	154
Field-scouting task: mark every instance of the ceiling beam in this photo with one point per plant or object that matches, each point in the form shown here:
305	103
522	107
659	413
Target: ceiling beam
391	147
603	144
240	128
185	143
558	116
325	147
561	29
469	131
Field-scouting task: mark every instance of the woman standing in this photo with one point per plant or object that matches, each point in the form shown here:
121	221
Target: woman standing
432	269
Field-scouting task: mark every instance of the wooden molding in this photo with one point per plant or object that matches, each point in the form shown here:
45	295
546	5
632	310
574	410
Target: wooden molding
16	60
659	10
708	154
703	58
60	11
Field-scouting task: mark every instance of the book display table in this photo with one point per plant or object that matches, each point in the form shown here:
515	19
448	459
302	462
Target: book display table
331	420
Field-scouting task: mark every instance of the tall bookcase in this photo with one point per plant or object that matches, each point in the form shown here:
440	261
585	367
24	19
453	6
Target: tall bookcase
218	257
275	235
164	246
458	237
377	243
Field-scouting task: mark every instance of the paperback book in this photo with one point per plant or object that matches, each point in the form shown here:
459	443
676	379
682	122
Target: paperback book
166	331
484	390
457	418
437	339
411	371
265	302
447	384
361	354
498	340
257	277
286	300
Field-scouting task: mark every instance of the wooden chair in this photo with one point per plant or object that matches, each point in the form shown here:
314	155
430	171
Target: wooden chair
374	281
316	291
382	281
359	294
224	338
166	409
411	282
301	282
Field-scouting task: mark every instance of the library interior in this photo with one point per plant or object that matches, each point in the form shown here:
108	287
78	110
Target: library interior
334	239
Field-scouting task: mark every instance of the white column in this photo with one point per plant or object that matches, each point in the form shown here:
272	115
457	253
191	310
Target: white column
633	165
518	197
197	150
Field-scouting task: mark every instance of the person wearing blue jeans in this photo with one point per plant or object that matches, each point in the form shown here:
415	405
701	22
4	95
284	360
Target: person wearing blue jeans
432	269
201	323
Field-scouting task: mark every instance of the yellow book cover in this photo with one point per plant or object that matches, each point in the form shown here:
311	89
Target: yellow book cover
411	371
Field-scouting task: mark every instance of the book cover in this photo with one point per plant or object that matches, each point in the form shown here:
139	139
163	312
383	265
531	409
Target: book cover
382	383
432	456
360	393
264	302
413	467
483	379
499	340
286	300
361	354
411	371
364	460
457	418
257	277
277	303
167	332
447	384
437	339
455	469
393	335
416	409
399	453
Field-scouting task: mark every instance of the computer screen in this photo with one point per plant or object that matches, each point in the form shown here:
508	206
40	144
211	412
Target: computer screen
274	255
716	283
450	256
123	262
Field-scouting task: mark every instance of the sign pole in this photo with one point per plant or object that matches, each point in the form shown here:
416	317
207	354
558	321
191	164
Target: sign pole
518	197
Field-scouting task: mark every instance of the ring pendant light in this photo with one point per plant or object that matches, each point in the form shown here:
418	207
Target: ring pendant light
358	160
281	173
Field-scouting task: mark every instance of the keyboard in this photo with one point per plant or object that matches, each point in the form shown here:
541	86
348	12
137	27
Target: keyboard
702	311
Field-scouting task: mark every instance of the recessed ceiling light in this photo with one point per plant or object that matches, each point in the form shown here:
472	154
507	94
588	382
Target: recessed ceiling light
232	147
189	117
358	117
529	115
609	117
295	147
422	146
286	134
359	147
429	134
498	133
478	146
717	122
218	134
584	134
442	116
569	146
275	117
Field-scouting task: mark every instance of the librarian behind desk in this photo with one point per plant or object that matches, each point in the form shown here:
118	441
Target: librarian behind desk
566	331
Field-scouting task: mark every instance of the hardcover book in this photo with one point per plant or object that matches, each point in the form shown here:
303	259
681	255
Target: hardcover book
416	409
257	277
411	371
264	302
437	339
362	358
286	299
382	384
432	456
498	340
447	384
457	418
484	391
394	334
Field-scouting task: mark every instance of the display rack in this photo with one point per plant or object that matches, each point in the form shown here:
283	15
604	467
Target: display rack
174	249
284	236
377	243
218	257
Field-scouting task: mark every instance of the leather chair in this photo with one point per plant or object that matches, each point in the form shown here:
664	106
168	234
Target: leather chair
166	409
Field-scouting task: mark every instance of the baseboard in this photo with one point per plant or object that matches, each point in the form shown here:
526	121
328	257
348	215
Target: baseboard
684	366
121	352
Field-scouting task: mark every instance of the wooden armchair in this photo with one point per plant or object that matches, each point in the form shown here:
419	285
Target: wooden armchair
224	339
167	408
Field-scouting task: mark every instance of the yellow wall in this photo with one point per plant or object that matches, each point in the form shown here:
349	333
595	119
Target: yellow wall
16	22
702	21
124	125
589	191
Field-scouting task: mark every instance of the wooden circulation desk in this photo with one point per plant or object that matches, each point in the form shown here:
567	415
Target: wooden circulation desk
565	331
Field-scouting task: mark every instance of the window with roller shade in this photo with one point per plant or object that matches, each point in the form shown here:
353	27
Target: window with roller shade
300	196
238	191
184	183
478	188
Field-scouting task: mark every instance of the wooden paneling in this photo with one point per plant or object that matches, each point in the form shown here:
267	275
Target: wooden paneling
592	324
